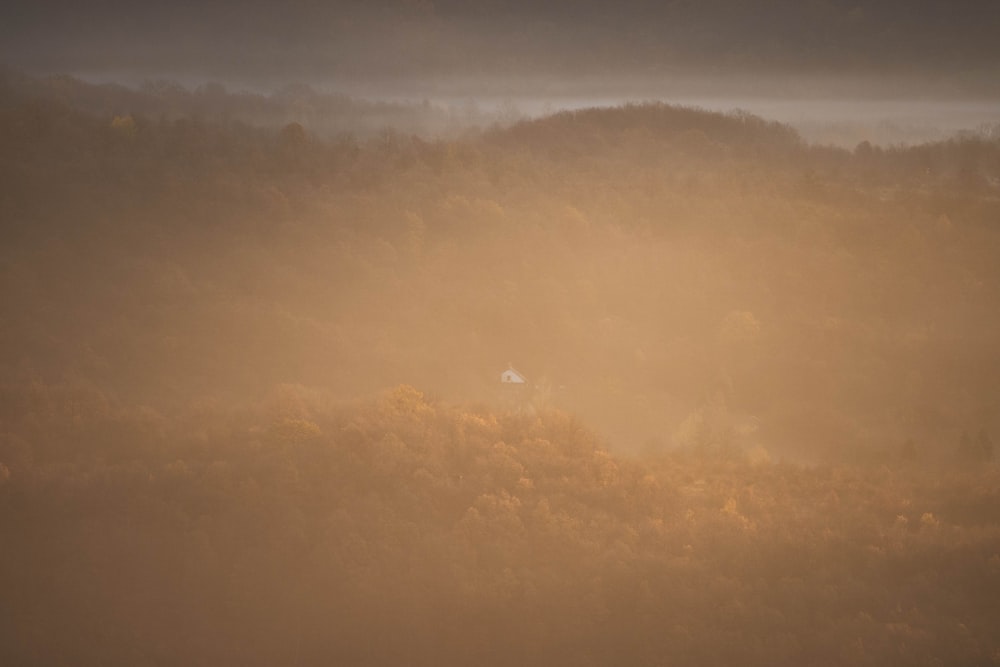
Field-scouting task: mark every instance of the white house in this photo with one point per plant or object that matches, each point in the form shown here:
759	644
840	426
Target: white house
511	376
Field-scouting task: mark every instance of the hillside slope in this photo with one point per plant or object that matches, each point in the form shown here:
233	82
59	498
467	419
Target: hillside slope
670	274
401	529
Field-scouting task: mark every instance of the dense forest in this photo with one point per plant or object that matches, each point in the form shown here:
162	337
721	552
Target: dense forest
250	409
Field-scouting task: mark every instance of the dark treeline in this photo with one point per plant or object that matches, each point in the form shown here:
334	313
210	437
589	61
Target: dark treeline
193	309
327	114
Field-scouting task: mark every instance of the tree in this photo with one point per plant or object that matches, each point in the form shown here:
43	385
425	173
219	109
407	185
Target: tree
984	446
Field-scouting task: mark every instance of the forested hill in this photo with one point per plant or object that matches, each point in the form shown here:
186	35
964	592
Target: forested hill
570	134
327	113
401	529
674	276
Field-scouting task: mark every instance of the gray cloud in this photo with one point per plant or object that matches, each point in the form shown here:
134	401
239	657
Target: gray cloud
444	38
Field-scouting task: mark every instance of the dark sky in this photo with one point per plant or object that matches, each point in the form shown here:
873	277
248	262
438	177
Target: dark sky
952	44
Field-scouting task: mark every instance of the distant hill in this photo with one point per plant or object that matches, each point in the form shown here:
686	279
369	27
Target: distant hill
327	114
586	131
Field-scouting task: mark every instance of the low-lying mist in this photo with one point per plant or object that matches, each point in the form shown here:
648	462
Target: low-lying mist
653	268
825	110
251	408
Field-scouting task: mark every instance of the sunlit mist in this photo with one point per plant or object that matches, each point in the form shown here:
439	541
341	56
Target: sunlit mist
440	333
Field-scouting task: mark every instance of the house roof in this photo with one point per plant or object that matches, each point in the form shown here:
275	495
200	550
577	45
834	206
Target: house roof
513	374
